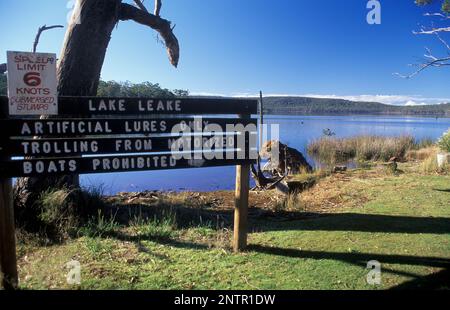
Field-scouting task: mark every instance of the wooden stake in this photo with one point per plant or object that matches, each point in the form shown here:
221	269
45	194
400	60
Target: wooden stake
241	208
8	260
241	205
261	119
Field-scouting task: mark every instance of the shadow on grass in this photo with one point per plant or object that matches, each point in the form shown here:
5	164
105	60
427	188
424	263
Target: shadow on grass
164	241
437	280
442	190
355	258
370	223
266	220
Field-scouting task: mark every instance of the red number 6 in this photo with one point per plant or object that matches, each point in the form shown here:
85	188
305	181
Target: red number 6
32	79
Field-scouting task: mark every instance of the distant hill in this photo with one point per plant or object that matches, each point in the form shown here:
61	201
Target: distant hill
276	105
319	106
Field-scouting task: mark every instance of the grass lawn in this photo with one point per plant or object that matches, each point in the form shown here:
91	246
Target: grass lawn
341	223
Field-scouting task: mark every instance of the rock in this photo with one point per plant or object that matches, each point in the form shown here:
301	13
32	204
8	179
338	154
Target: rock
290	159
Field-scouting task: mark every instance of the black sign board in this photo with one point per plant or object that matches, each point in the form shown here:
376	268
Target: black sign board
86	138
108	164
109	126
89	106
46	147
63	145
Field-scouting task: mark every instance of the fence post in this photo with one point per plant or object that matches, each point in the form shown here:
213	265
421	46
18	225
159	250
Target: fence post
8	260
241	203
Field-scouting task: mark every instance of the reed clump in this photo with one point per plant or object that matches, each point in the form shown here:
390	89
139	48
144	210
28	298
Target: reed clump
364	148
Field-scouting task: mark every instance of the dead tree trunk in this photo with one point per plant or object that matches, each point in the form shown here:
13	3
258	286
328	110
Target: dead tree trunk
85	45
78	72
79	68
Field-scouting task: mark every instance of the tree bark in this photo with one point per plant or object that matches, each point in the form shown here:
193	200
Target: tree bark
85	46
79	68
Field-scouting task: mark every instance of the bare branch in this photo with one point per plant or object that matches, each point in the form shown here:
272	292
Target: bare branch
438	15
435	62
158	5
162	26
40	31
140	5
443	41
433	30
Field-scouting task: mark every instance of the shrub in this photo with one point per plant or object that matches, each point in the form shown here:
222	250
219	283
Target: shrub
444	142
430	165
363	148
57	210
420	154
61	211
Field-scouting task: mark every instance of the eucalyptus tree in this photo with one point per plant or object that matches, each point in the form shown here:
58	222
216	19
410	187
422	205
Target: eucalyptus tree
80	63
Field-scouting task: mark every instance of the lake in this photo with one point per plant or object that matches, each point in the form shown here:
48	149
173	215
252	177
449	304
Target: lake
296	131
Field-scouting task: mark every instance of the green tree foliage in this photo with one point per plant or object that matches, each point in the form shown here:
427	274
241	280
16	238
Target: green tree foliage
445	4
145	89
444	142
122	89
3	87
328	106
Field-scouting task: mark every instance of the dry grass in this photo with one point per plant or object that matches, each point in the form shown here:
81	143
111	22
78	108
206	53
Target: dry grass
421	154
333	193
314	176
291	202
373	148
430	165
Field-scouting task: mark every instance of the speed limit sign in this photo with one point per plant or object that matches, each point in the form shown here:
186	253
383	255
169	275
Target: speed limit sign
32	86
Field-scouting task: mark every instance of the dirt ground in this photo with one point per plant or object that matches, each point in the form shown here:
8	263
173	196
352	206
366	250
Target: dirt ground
329	194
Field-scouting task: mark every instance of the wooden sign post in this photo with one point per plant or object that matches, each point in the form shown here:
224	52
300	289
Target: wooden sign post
8	261
241	203
241	208
155	135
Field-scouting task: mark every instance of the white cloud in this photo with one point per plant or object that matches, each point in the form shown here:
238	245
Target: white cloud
387	99
414	103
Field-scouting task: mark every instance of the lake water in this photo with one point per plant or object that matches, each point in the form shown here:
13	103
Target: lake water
296	131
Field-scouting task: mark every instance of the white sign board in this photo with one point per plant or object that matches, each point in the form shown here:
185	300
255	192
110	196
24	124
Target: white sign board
32	86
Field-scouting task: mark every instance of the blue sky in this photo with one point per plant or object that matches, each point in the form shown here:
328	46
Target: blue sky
238	47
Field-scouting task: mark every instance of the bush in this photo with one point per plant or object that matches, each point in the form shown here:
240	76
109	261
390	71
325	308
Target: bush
61	211
444	142
57	210
420	154
363	148
430	165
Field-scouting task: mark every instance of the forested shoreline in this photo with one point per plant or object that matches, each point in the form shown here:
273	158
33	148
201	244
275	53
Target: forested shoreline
274	105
